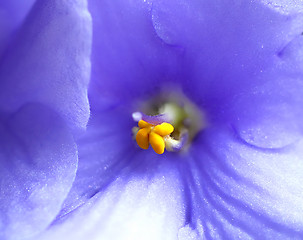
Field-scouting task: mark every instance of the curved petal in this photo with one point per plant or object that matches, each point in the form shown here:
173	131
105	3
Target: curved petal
106	150
49	61
211	71
239	53
226	43
274	118
122	186
12	15
240	191
128	58
145	207
38	165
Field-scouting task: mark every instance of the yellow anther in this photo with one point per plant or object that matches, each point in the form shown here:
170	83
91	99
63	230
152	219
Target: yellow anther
152	134
164	129
142	138
143	124
157	142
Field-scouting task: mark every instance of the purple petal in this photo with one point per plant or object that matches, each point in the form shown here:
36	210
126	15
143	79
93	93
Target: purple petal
105	151
146	207
49	61
274	118
235	55
38	165
121	185
128	58
226	43
239	191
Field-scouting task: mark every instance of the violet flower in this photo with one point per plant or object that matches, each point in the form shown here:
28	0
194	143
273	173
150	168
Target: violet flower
228	74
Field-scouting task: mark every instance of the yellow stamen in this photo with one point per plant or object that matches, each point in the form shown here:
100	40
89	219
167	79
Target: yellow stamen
142	138
164	129
143	124
157	142
152	134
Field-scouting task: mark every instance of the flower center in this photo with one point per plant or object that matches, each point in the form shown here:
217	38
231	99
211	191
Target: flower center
171	122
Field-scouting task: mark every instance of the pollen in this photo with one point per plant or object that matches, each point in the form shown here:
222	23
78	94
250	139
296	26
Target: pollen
153	135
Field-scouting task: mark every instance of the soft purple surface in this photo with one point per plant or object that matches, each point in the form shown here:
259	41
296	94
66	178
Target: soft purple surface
38	165
127	54
49	61
238	191
240	61
12	15
143	207
44	73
